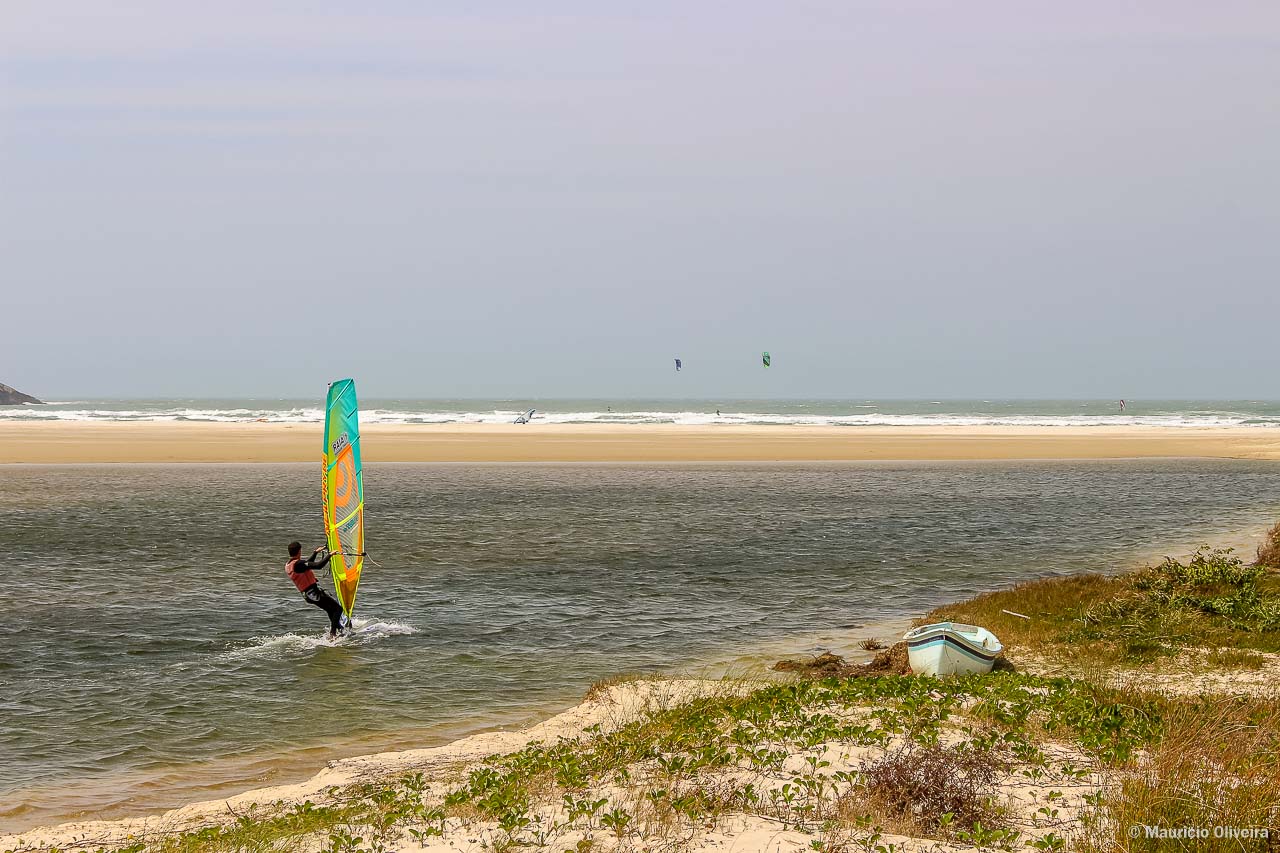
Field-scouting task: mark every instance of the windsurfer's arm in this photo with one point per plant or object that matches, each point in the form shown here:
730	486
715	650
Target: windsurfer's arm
313	565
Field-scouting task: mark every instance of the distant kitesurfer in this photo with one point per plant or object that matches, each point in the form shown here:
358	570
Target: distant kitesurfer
302	573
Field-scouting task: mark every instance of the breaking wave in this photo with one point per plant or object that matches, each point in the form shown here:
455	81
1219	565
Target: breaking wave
868	413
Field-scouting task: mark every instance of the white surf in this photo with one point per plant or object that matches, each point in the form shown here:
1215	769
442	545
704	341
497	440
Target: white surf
363	632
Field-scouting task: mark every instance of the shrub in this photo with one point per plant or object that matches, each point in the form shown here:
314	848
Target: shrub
923	783
1162	601
1269	550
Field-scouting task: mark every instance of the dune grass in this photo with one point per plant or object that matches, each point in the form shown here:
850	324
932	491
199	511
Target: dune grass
1216	764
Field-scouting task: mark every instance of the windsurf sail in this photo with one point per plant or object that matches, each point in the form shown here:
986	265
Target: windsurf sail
343	491
526	417
766	358
678	365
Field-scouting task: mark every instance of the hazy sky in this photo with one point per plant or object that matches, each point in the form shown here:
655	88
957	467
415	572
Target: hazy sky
471	199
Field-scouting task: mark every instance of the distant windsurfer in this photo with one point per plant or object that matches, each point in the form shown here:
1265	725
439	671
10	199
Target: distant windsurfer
302	573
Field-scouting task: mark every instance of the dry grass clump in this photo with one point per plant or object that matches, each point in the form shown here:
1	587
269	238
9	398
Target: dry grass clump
1269	550
599	688
890	661
1234	659
870	644
825	665
916	785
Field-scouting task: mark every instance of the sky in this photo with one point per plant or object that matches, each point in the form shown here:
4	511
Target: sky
449	199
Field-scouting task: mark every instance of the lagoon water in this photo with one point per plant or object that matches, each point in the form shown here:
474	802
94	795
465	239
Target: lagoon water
155	652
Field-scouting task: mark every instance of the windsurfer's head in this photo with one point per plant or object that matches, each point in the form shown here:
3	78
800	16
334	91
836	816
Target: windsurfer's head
295	548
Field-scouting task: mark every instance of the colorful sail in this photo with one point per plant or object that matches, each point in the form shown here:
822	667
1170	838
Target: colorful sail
343	491
767	358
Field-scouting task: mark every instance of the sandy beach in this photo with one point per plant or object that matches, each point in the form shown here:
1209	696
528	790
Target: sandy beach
53	443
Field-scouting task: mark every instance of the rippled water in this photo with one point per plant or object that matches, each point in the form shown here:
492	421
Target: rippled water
156	653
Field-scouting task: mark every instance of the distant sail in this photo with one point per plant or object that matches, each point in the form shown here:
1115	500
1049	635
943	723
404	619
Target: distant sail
767	358
678	365
1122	405
342	490
526	417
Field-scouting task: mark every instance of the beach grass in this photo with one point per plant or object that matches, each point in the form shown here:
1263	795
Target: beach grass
1215	764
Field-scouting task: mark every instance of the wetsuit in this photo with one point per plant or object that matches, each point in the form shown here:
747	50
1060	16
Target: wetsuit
302	573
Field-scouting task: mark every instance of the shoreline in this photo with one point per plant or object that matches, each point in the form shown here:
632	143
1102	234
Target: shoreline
678	685
189	442
299	767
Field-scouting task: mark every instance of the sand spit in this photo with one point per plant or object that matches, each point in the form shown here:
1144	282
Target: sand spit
65	442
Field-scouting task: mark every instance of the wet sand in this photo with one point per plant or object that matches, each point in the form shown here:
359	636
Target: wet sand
52	443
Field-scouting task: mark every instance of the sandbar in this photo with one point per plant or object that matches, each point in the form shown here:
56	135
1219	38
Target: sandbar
158	442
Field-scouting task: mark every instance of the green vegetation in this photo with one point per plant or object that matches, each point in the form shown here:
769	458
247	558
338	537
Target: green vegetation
1214	600
766	754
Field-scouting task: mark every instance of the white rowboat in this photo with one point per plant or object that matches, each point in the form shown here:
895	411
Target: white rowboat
951	648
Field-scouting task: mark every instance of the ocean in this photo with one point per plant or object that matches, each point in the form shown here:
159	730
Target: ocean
845	413
156	654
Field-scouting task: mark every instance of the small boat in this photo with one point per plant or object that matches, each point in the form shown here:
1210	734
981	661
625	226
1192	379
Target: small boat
951	648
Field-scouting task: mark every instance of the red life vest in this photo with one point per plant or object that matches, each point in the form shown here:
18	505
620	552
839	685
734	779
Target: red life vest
304	579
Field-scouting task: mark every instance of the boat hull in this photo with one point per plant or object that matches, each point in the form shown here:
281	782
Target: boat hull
941	650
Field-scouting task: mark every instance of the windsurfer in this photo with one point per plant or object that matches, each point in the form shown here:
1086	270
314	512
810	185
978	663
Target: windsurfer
302	573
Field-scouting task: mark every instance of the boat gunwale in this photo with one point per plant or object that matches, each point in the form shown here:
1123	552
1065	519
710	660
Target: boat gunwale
927	635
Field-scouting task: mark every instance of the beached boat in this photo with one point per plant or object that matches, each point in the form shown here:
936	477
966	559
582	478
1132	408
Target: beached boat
951	648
